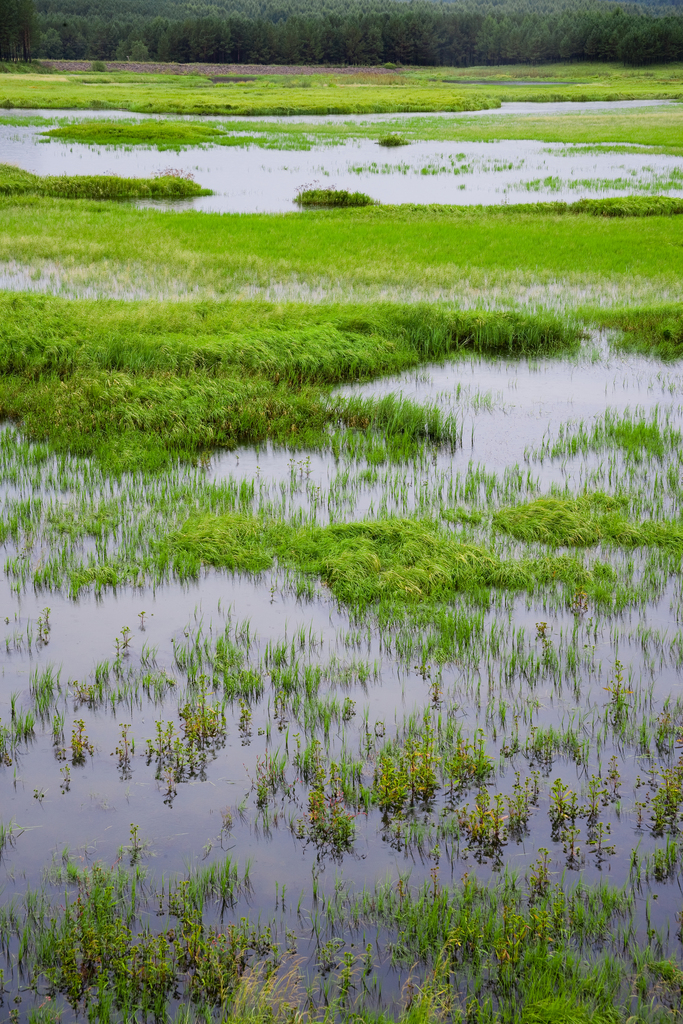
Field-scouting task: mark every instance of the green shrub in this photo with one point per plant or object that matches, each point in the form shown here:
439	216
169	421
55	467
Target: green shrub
98	65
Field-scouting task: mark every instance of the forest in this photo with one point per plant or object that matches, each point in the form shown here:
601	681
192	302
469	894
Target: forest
403	32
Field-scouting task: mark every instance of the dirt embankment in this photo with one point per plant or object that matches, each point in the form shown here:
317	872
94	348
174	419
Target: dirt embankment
212	69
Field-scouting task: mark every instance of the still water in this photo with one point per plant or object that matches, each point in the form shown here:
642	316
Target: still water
250	179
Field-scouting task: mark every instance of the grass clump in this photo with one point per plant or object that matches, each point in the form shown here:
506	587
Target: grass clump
651	330
333	197
15	182
637	436
585	521
392	140
619	206
364	562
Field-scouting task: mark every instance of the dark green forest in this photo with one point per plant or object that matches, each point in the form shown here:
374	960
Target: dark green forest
460	33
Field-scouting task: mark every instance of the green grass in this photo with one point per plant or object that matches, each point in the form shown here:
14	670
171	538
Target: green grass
162	134
584	521
187	94
15	182
333	197
660	130
417	89
99	944
365	562
641	440
474	255
139	384
655	330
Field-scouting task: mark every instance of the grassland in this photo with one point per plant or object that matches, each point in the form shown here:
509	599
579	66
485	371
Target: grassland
415	90
472	256
182	94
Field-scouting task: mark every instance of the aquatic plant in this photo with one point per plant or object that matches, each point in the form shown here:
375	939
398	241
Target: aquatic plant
333	197
392	140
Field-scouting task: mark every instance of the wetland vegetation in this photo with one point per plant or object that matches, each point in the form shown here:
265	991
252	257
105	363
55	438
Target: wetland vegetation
341	596
15	182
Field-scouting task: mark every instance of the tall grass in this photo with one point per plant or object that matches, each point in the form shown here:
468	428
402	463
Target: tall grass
580	522
655	330
141	384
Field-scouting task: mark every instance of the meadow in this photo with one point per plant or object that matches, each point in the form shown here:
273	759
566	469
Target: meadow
180	94
411	89
478	256
341	599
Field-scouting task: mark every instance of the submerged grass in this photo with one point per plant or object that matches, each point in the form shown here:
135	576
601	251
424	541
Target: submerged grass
527	946
660	130
16	182
656	330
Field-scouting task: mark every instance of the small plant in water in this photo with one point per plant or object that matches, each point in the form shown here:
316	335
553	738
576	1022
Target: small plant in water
122	642
80	744
618	705
328	825
392	139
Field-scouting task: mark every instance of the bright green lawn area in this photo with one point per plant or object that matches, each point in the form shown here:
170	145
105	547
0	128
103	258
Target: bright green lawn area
418	251
183	94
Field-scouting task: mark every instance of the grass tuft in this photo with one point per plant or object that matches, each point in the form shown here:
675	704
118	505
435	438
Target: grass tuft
333	197
15	182
585	521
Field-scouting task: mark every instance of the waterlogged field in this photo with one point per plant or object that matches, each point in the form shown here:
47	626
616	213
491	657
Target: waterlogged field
384	717
257	166
535	256
341	638
248	179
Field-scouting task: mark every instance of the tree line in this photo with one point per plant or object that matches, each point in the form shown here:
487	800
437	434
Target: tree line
18	29
408	32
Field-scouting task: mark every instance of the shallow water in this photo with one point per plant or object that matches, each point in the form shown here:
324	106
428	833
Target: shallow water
251	179
507	410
